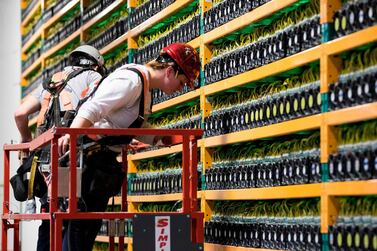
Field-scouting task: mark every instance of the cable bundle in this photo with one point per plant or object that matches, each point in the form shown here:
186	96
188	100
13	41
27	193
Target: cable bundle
181	118
357	153
265	165
227	10
358	82
182	27
265	103
284	33
277	224
116	58
354	15
60	30
146	10
356	225
94	8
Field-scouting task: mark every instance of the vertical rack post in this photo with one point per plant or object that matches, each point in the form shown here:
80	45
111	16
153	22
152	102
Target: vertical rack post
185	175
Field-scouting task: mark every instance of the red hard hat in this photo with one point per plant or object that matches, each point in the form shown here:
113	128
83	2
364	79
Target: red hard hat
186	58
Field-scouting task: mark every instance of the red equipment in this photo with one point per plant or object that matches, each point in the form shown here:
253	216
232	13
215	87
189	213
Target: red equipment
189	185
187	59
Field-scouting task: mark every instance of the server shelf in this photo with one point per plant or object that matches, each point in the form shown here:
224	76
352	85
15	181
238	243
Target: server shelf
328	52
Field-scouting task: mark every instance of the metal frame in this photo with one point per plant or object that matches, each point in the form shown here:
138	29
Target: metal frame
189	184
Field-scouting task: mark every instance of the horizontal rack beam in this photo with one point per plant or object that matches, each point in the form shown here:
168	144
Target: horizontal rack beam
350	188
32	67
156	153
101	238
351	114
33	38
115	43
350	41
157	198
217	247
31	13
195	43
62	44
281	192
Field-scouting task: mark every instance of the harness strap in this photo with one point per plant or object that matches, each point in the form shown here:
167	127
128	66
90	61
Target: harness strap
61	81
118	140
32	178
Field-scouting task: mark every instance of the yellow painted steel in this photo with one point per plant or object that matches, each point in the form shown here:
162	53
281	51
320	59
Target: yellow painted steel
205	106
206	157
351	114
350	41
31	13
131	41
351	188
157	198
328	142
205	5
132	166
156	153
329	211
120	40
330	67
205	52
328	8
31	68
268	193
206	207
132	3
217	247
60	45
196	42
23	4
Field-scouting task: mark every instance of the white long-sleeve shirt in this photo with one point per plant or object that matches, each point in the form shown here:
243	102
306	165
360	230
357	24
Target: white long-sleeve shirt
75	86
115	104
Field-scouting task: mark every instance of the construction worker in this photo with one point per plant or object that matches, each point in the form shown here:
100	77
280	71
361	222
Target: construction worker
116	104
86	65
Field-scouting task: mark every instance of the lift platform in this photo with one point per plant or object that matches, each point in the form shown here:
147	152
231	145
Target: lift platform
168	231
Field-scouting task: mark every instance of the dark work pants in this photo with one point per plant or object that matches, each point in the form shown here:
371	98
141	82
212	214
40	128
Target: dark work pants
43	243
81	234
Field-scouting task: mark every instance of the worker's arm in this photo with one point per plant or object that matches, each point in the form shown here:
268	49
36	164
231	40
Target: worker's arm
21	116
78	122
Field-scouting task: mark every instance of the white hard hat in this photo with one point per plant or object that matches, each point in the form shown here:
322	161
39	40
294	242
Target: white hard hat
88	51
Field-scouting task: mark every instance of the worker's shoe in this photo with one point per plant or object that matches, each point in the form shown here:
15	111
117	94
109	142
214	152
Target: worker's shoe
31	207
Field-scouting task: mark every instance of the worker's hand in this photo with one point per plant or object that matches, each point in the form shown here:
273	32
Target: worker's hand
63	144
22	155
172	140
136	145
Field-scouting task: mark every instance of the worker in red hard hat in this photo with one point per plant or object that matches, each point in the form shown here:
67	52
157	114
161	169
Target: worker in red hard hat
122	100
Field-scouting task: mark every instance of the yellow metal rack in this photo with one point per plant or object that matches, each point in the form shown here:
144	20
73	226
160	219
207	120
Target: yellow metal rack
327	54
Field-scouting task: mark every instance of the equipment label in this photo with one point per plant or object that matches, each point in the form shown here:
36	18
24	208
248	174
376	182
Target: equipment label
162	233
